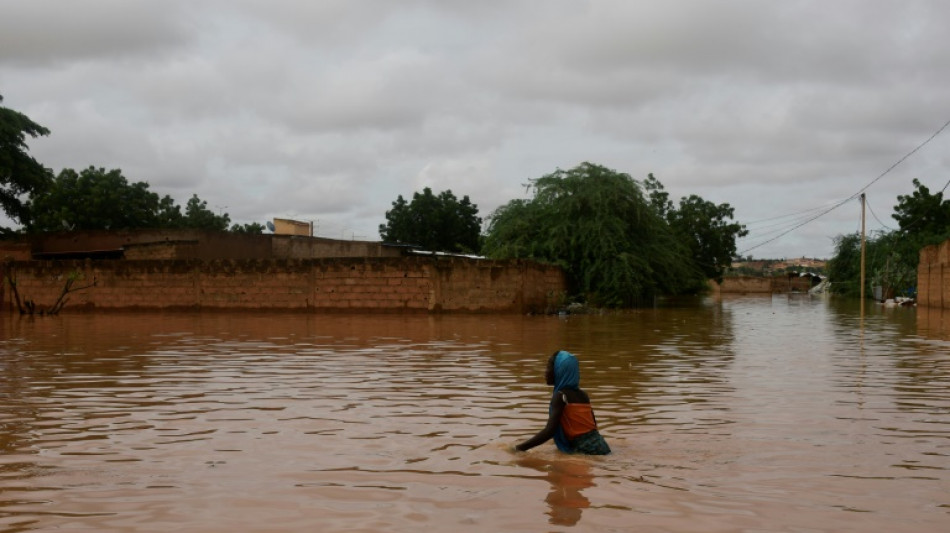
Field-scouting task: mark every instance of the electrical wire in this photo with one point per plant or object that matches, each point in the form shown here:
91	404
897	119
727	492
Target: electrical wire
853	196
873	214
783	216
778	227
901	160
796	226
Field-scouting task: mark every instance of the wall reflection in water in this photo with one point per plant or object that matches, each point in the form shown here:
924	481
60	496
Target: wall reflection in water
933	322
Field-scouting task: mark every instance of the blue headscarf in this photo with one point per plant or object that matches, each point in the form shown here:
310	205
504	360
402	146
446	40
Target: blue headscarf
567	375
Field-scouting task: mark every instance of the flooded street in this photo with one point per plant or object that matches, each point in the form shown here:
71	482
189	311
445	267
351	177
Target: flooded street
781	413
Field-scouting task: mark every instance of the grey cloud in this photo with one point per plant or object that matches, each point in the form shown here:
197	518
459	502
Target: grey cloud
795	42
327	23
44	33
643	51
328	110
388	93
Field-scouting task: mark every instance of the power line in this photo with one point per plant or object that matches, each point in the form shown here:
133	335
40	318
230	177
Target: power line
901	160
853	196
781	226
873	214
783	216
796	226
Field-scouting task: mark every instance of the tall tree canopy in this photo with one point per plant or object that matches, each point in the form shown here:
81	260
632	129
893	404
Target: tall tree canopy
20	174
97	199
254	228
923	213
198	216
892	256
437	223
924	219
891	263
614	244
706	229
844	268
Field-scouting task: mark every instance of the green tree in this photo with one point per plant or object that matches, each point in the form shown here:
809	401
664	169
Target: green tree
924	219
844	268
20	174
169	213
924	215
596	223
100	199
890	263
891	257
437	223
97	199
198	216
707	230
659	198
254	228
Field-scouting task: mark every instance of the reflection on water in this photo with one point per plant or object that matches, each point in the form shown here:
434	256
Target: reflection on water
568	477
783	413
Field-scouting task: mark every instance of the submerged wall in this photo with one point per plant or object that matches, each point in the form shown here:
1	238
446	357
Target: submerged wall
933	276
762	284
745	285
417	284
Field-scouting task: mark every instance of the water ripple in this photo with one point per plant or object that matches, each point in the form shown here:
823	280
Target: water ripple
750	413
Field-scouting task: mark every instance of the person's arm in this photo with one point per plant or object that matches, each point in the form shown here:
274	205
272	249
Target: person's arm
546	434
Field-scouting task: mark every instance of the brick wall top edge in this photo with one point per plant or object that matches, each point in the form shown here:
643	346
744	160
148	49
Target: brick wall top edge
392	261
160	243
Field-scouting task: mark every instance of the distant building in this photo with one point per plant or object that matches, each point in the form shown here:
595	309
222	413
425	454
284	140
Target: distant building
769	266
285	226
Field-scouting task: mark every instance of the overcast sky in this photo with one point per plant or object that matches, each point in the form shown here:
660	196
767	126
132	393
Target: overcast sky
327	110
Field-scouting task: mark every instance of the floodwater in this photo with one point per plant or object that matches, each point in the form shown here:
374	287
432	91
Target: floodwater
782	413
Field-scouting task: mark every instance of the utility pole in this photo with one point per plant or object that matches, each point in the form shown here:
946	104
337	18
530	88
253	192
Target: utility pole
863	246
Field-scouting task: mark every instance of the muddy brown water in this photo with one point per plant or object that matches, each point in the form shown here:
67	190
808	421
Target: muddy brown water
782	413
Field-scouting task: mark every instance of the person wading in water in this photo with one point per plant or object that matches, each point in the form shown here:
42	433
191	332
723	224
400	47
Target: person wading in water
571	421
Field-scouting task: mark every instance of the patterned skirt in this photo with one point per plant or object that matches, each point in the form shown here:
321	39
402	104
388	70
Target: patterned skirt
590	443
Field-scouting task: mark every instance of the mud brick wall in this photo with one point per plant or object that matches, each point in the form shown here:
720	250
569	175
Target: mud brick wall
15	251
415	284
746	284
793	284
156	251
763	285
291	247
933	276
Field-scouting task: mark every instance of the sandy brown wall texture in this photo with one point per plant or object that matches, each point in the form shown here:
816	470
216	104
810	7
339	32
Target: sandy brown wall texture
418	284
933	276
746	284
763	285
